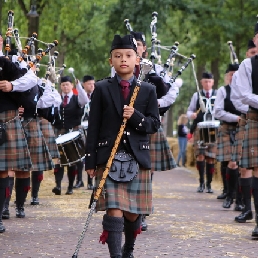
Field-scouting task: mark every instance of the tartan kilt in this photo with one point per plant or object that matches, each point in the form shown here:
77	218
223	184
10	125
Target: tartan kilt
225	146
39	153
161	156
134	196
239	138
210	151
49	136
249	157
14	153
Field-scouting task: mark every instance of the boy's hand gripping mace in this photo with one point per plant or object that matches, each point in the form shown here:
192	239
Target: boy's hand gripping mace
108	166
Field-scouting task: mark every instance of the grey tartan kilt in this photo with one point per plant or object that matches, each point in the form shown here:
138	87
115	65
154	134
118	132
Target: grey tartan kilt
210	151
134	196
225	142
14	153
239	138
249	157
161	156
39	152
49	136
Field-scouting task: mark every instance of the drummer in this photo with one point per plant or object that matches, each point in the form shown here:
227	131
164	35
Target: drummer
88	83
71	111
229	116
203	155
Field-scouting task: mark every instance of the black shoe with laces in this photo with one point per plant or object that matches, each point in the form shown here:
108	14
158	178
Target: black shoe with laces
5	214
244	216
200	188
222	196
2	228
34	201
20	212
227	203
79	184
56	190
69	191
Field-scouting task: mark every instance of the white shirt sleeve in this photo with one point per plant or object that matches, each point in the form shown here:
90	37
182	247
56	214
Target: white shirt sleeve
82	96
26	82
244	84
219	109
170	97
192	107
158	70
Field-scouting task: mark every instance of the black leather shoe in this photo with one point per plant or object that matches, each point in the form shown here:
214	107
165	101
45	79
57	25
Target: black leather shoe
69	191
209	190
34	201
239	207
200	188
227	203
255	232
144	225
56	190
90	187
244	216
126	253
5	214
222	196
79	184
20	212
2	228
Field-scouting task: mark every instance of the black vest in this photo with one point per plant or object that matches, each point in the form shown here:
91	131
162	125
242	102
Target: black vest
71	114
7	103
254	61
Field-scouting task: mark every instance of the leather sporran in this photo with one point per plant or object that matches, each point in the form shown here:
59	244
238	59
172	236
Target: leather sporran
3	137
124	167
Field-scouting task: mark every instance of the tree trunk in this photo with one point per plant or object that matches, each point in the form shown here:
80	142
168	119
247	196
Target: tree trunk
200	70
170	122
215	72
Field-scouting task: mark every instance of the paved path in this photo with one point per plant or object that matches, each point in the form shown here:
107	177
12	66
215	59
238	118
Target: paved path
184	224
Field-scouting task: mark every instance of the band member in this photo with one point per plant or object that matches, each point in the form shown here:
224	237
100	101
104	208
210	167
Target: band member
88	84
229	116
124	202
14	153
247	81
71	111
203	155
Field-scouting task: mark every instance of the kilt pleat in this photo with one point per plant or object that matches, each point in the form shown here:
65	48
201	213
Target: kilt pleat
225	145
14	153
249	157
239	138
49	136
134	196
210	151
40	156
161	156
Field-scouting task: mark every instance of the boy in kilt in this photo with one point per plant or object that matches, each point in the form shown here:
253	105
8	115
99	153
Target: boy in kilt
194	113
71	112
247	81
14	153
124	202
229	117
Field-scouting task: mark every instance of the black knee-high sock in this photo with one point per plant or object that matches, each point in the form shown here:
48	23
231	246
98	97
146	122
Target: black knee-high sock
245	186
80	166
201	166
223	170
22	186
232	177
255	193
71	173
36	178
112	234
8	198
239	196
89	180
209	173
4	193
59	174
131	229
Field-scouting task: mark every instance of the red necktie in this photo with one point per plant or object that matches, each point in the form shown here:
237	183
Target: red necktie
88	95
65	102
207	95
125	88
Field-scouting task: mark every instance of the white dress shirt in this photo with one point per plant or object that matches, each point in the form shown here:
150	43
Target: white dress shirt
219	108
244	84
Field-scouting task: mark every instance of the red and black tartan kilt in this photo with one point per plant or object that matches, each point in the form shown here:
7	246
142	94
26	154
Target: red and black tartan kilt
134	196
249	157
225	145
40	156
49	136
14	153
239	138
161	156
210	151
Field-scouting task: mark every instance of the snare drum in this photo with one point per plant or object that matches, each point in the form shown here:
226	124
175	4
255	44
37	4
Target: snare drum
208	131
84	124
71	148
